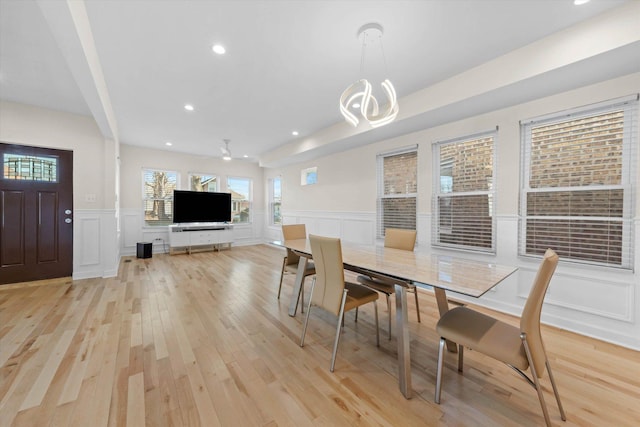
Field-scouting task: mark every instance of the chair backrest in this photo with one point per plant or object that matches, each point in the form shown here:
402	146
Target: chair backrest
400	239
530	320
329	282
293	232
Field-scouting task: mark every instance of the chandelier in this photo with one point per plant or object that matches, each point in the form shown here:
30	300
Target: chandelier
360	92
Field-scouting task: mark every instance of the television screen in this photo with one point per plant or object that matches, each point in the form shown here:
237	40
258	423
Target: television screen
197	206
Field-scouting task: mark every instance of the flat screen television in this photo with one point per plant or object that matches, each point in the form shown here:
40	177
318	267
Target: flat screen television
198	206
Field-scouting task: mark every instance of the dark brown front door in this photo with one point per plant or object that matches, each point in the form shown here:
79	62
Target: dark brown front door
36	213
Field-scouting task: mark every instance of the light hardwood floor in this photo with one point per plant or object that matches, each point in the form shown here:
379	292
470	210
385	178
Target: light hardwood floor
201	339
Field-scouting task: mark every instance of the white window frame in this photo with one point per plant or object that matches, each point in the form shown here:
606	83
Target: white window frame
249	200
382	196
145	199
629	105
437	231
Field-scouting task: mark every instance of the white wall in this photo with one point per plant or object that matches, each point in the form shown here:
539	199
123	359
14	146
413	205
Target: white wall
134	159
94	193
595	301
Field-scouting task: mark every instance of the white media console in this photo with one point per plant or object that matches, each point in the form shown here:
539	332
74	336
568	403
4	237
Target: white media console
199	236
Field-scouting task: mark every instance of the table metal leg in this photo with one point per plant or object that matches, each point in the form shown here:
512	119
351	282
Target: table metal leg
297	286
402	333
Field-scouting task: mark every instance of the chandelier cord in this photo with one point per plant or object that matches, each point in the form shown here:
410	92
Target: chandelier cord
365	35
362	53
384	59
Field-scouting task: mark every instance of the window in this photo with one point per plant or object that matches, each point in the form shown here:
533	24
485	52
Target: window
463	194
158	196
397	189
577	177
30	168
203	182
275	193
240	189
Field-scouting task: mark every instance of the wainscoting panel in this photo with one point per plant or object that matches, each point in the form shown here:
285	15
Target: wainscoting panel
131	226
90	232
355	227
273	232
95	248
323	226
588	294
362	231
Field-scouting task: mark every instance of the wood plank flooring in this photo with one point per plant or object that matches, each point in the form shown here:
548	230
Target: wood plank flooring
202	340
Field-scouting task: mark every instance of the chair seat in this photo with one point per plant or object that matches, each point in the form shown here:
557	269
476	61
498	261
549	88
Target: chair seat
293	268
380	285
485	334
358	295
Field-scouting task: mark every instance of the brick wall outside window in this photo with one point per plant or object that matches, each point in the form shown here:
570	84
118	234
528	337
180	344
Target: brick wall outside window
397	190
464	193
574	193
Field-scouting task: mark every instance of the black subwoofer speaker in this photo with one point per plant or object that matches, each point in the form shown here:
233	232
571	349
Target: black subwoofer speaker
144	250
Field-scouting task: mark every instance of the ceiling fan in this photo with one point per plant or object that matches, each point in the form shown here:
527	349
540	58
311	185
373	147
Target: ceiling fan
226	153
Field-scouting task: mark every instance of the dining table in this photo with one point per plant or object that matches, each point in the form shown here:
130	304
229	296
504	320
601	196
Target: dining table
439	272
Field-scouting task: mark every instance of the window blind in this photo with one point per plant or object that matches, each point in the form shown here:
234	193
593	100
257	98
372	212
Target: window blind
578	170
464	193
397	174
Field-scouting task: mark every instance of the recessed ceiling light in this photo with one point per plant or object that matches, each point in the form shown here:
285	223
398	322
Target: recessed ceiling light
356	105
580	2
188	107
295	133
219	49
168	144
245	156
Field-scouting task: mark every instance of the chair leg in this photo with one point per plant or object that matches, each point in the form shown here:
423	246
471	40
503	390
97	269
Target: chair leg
439	370
338	327
415	293
389	313
375	307
281	276
304	328
302	295
356	314
306	319
536	381
555	391
460	357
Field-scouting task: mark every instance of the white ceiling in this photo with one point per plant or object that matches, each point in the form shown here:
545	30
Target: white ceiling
286	65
